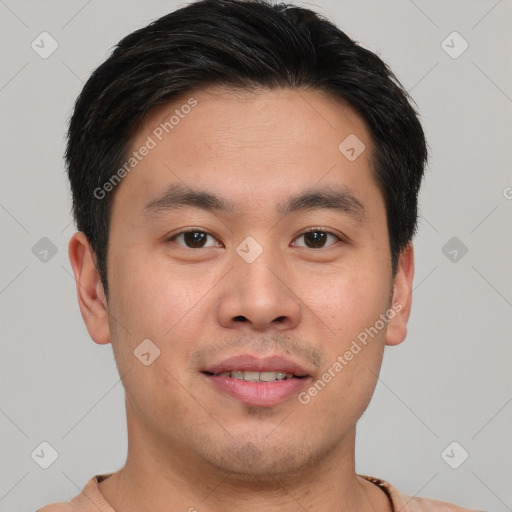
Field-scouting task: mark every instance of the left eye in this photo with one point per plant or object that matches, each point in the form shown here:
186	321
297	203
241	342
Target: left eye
316	239
193	239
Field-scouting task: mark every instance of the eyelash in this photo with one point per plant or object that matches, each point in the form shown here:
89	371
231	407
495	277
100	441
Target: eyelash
308	230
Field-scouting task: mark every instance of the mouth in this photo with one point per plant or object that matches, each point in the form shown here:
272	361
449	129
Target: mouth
250	376
258	382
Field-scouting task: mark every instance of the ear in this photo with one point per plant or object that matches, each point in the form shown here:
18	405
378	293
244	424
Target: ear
402	297
91	296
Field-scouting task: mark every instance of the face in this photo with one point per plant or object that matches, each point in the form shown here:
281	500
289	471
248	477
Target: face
253	253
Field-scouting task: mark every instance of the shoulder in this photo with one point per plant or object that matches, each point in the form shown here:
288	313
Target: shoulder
427	505
57	507
89	500
414	504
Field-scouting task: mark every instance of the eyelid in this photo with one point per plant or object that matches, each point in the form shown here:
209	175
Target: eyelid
339	236
323	230
171	238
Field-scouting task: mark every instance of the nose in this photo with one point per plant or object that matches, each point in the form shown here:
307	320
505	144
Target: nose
259	296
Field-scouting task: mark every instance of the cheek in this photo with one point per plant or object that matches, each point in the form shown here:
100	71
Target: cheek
153	296
165	305
350	304
348	301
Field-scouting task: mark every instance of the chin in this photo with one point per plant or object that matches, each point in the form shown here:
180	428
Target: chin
263	461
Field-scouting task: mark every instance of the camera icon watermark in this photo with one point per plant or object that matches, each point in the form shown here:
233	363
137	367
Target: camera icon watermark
44	455
249	250
454	455
454	249
249	454
44	45
454	45
44	250
147	352
351	147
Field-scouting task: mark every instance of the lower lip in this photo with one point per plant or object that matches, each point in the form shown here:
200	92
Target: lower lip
262	394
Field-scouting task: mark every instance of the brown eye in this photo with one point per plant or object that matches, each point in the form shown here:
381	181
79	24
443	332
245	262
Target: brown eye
316	239
194	239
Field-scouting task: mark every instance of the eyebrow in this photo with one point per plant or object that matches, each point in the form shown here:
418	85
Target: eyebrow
334	198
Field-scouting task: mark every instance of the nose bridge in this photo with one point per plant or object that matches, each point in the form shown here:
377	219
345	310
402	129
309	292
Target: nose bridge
258	266
257	291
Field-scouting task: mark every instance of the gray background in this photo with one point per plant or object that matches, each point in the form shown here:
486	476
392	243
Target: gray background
449	381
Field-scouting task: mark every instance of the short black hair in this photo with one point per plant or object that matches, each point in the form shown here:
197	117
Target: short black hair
246	44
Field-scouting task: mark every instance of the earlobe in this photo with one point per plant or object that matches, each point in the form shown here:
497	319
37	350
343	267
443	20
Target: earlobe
402	297
91	296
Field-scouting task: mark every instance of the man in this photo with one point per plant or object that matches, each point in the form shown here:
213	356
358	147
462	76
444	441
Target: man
245	182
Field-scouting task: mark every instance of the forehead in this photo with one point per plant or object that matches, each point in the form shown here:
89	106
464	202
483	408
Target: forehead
249	145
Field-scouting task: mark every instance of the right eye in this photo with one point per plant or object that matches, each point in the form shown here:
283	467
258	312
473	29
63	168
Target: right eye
193	239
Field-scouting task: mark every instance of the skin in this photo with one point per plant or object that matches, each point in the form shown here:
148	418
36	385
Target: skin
191	446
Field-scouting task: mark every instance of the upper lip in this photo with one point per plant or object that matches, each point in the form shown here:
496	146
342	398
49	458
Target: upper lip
246	362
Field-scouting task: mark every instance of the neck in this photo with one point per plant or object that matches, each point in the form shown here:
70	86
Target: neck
162	477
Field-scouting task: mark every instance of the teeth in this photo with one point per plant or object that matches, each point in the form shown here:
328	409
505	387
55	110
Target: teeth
257	376
252	376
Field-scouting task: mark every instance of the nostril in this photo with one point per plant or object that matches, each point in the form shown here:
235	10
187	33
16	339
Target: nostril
240	318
